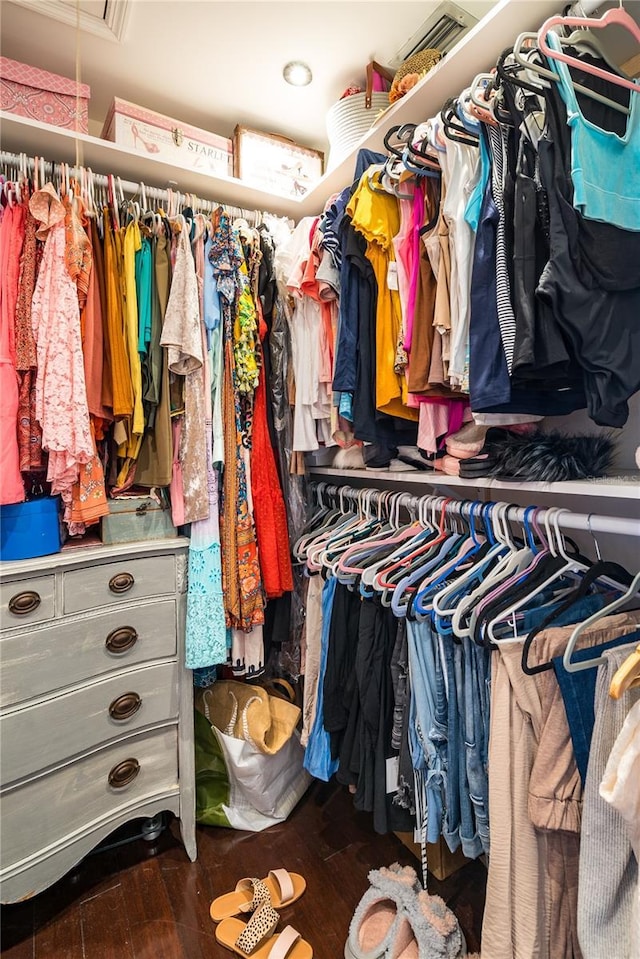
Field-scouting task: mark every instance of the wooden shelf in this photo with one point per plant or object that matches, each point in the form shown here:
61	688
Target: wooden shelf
477	51
624	486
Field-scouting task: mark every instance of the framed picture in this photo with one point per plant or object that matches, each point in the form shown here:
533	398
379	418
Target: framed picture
274	163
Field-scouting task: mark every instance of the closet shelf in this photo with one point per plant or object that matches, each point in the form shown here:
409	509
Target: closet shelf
477	50
625	485
23	135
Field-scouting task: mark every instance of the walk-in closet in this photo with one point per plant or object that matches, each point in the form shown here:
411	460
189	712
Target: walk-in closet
320	479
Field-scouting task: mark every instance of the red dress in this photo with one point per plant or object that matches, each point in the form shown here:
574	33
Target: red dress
269	513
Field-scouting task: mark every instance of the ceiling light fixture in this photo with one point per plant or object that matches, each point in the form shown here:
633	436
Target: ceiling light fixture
297	73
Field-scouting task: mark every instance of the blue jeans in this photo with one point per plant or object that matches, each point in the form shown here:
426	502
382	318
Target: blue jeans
477	679
317	756
426	760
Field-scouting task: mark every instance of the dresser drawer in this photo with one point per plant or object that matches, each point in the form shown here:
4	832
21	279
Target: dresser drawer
26	601
108	583
41	736
80	796
50	658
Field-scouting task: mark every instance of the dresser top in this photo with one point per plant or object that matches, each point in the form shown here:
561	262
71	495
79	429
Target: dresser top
75	556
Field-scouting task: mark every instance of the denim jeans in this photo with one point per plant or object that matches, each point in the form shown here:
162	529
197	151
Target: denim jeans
426	759
578	692
449	734
477	678
317	757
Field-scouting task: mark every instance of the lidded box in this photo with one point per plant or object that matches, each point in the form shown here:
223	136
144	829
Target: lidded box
40	95
133	518
156	135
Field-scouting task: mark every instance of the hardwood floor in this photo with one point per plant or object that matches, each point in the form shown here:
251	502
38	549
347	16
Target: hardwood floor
147	901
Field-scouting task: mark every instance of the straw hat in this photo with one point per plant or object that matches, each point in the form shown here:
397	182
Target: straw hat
419	64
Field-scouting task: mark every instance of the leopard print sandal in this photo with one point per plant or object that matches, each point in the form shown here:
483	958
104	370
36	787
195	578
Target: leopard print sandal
256	938
279	889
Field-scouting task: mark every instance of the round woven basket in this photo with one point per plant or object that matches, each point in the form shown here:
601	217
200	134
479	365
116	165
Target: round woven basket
347	122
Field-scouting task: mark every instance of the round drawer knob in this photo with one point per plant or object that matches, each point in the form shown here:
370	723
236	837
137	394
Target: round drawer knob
121	582
23	603
120	640
125	706
124	773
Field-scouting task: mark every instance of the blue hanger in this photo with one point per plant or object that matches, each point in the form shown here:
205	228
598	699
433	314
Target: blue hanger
401	611
421	602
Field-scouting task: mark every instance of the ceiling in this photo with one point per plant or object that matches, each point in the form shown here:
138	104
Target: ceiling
216	63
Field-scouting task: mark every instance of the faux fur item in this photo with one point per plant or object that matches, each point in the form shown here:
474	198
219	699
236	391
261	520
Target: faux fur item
349	459
551	457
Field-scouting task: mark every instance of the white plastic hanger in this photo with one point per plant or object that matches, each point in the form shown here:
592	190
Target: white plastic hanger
572	667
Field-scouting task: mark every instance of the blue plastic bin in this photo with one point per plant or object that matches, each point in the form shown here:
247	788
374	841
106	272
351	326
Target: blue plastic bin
30	529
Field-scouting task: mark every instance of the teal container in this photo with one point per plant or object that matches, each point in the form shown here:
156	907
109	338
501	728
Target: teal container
30	529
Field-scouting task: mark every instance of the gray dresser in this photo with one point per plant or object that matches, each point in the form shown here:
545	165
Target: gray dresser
96	720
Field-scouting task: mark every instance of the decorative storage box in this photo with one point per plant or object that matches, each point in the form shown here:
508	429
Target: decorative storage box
30	529
40	95
152	133
134	518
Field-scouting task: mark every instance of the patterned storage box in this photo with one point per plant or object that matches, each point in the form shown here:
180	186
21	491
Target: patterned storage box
40	95
154	134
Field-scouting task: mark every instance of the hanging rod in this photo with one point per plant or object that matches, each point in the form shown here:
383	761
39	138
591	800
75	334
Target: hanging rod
588	522
129	186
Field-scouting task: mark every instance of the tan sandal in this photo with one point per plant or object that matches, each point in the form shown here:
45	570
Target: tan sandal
256	938
280	889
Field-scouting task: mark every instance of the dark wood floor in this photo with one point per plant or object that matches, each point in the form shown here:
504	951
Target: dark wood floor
147	901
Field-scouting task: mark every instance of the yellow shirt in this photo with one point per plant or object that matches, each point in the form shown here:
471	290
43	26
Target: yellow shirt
375	214
132	244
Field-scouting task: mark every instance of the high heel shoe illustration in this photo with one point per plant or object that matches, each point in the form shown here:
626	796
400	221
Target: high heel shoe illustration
149	147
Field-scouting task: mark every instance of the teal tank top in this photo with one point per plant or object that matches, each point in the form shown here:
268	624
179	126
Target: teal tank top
605	167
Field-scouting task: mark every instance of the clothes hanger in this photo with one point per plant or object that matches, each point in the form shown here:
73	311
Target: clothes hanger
340	540
520	582
455	591
596	572
382	580
588	41
431	558
323	514
343	521
617	16
422	531
574	667
423	602
549	565
502	569
453	128
481	86
545	73
403	134
360	551
626	676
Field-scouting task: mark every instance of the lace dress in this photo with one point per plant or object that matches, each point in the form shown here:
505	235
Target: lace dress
61	395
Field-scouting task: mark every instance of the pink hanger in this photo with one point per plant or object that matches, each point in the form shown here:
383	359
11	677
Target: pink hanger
616	16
